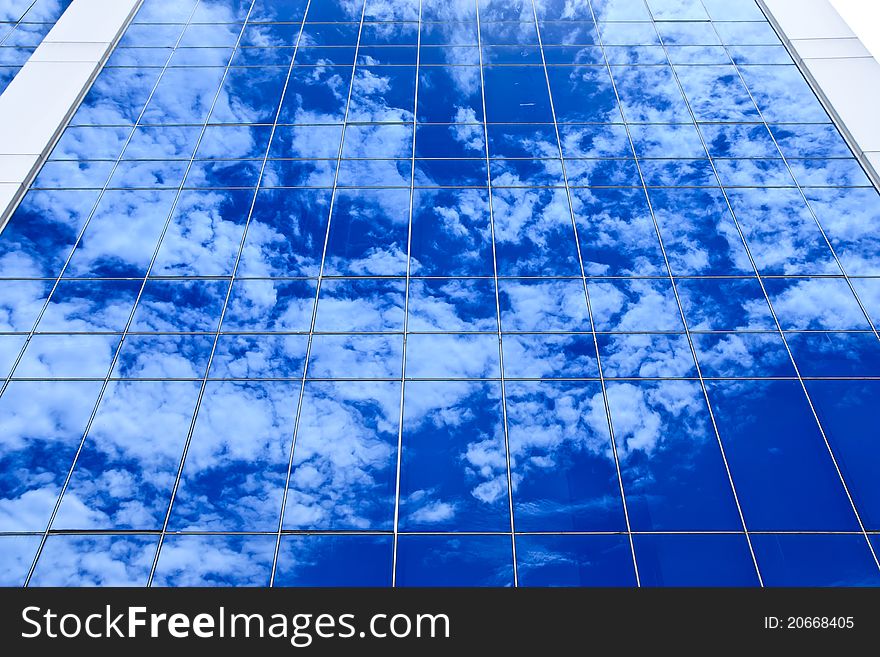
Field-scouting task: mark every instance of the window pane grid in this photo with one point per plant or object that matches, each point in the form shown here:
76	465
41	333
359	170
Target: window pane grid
324	206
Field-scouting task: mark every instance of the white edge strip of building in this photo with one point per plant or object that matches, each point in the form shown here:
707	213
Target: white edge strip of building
839	68
37	105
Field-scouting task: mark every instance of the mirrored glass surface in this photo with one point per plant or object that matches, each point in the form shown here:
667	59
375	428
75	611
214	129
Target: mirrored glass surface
455	561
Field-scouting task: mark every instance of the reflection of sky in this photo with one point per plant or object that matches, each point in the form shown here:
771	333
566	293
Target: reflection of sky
193	348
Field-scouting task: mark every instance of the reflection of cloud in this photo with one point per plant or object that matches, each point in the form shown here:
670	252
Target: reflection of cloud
343	470
215	561
95	561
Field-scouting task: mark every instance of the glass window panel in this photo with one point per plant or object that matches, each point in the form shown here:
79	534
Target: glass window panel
356	357
90	306
388	33
617	233
21	303
67	357
629	33
725	304
576	561
452	356
563	466
447	173
454	468
163	357
741	140
271	10
146	174
93	175
781	232
108	250
868	290
603	173
42	423
180	306
345	457
126	470
117	97
286	233
704	55
517	94
17	553
512	55
743	355
458	140
543	305
815	560
508	32
215	561
91	143
236	466
316	95
205	233
221	173
222	11
667	141
103	561
716	93
851	220
699	233
454	561
42	231
783	95
635	305
682	560
629	56
678	10
746	55
184	95
650	95
846	410
756	33
368	233
549	356
229	141
581	94
733	10
250	95
514	10
259	357
678	173
781	468
335	561
455	32
645	355
829	173
383	93
569	32
10	348
595	141
822	304
452	305
676	33
836	354
257	306
451	233
672	468
355	306
618	10
527	173
524	141
162	143
533	233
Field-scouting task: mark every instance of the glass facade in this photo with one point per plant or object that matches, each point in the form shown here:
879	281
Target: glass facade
551	293
23	25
